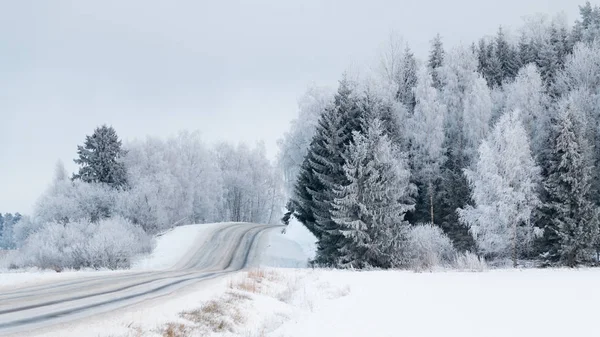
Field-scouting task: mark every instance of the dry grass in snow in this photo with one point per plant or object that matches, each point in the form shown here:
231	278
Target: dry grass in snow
254	304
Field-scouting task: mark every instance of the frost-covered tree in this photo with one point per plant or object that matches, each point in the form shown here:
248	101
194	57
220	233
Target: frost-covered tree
436	60
504	185
398	67
407	80
369	209
171	182
252	188
8	222
579	82
573	230
468	103
100	159
428	137
322	172
65	201
587	28
469	107
527	94
294	144
507	56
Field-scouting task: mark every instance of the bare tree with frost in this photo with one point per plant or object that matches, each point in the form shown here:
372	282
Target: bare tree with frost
504	186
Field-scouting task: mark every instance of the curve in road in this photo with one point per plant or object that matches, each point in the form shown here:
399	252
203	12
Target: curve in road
228	248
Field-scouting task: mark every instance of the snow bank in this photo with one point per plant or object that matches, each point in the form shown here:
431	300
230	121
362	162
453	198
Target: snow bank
172	246
279	250
35	276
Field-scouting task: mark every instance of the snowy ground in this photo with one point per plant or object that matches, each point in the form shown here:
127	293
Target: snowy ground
304	302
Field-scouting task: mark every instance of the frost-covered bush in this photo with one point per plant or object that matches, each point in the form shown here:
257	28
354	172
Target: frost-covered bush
66	201
108	243
23	229
469	262
429	247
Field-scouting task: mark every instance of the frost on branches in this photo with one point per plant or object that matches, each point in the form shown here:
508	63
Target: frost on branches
370	208
574	226
504	183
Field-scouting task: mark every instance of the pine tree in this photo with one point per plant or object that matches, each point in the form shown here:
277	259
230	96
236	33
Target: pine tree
504	183
322	172
573	230
100	159
436	60
369	209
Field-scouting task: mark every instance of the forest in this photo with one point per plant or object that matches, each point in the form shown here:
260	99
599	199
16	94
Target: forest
492	146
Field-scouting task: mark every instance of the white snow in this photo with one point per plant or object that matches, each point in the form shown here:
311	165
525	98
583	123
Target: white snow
282	250
495	303
172	246
296	232
34	276
307	302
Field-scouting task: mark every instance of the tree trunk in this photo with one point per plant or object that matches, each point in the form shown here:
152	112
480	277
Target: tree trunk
431	200
514	246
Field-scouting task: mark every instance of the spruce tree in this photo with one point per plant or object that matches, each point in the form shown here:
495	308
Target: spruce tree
322	172
100	159
407	80
507	56
436	60
571	234
369	209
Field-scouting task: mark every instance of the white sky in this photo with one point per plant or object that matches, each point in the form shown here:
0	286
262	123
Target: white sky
231	69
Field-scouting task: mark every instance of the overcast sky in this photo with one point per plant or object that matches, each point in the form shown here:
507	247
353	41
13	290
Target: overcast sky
231	69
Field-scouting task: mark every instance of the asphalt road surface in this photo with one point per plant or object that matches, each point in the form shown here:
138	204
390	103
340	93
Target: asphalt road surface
225	249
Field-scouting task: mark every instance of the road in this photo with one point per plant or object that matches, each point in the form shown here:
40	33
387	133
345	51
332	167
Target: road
226	249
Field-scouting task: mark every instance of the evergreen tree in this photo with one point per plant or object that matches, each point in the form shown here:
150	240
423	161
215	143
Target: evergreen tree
436	60
548	63
322	172
527	51
504	183
369	209
100	159
507	57
407	80
573	230
494	72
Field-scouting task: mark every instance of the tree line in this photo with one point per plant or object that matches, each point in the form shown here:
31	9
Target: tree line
496	144
105	213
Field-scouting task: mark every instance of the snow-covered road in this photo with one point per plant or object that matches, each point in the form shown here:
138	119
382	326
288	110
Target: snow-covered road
221	249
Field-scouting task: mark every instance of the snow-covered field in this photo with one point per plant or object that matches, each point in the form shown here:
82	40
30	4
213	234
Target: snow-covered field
305	302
